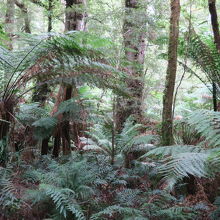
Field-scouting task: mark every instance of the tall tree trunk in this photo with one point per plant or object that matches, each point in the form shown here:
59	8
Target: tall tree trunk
24	10
9	21
215	28
167	117
135	46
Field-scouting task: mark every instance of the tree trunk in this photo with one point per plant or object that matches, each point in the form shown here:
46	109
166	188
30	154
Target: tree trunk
75	20
135	45
214	97
6	110
65	124
167	117
57	143
57	135
9	21
215	24
50	17
45	146
24	10
215	28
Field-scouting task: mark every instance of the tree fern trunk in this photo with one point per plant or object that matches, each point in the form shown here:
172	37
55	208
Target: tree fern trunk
75	20
45	146
167	117
57	143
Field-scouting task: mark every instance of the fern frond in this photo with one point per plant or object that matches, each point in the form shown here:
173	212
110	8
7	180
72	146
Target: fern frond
60	197
112	210
207	123
176	213
44	127
162	152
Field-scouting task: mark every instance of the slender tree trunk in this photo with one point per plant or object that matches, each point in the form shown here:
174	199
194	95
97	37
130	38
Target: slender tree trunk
9	21
214	97
135	46
167	117
24	10
50	17
215	28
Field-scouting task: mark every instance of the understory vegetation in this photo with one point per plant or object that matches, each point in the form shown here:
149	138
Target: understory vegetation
109	110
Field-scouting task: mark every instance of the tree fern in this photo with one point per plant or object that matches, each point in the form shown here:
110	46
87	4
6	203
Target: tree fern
204	54
100	139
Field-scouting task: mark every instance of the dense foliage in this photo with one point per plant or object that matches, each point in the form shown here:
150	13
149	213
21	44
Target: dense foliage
83	90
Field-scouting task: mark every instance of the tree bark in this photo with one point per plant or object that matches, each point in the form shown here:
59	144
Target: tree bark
49	8
50	17
215	24
45	146
24	10
215	28
167	117
75	20
135	46
57	143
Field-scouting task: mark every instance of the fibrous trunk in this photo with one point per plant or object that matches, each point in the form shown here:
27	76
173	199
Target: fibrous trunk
75	20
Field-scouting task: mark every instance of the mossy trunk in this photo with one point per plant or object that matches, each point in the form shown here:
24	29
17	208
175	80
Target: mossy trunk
135	46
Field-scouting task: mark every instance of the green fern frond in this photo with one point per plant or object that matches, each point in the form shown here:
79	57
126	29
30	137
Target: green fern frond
60	197
162	152
44	127
176	213
207	123
185	164
112	210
